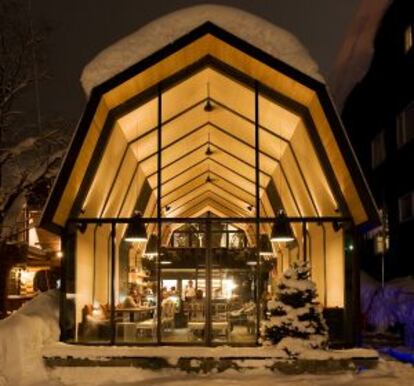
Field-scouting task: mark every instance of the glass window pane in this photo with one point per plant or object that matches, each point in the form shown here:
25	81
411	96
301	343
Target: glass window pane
136	291
183	283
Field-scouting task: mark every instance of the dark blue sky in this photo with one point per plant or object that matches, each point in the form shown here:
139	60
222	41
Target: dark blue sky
82	28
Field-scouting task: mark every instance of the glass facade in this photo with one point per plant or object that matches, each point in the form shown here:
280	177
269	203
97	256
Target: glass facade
200	179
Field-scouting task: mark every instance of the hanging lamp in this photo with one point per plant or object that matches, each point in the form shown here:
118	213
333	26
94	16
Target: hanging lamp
208	151
136	231
265	246
152	246
208	106
281	231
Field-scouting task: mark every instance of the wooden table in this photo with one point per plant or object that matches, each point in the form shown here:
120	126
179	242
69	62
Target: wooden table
135	310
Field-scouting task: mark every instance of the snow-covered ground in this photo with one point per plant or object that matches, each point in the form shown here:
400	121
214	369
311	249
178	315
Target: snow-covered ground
33	330
388	373
22	337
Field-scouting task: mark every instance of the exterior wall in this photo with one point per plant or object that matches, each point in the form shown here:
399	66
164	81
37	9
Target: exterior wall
374	106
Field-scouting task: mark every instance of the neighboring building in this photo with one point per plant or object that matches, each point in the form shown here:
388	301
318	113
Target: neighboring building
30	256
379	117
208	122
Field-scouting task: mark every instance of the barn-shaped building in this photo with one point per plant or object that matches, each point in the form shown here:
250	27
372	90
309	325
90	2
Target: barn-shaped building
207	136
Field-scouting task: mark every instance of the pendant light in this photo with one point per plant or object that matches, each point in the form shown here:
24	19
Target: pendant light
208	178
136	231
208	151
281	230
152	246
208	106
265	246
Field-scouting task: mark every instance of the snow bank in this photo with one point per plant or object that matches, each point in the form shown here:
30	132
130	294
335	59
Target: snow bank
173	353
159	33
385	307
388	373
22	337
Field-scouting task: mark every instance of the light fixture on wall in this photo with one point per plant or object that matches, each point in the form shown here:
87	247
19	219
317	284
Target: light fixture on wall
265	246
136	231
152	246
281	231
82	226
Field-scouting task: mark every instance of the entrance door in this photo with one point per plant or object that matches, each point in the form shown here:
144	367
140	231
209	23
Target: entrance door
184	289
209	285
233	278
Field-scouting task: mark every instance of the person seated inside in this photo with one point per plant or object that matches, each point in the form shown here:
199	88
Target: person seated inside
133	299
164	293
190	292
199	295
172	291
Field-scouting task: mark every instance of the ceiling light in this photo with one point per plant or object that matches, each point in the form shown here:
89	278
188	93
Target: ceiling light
208	151
136	231
265	246
281	231
151	249
208	107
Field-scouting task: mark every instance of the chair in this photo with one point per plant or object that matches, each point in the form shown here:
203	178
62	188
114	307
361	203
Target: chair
167	319
167	314
219	320
127	330
196	319
148	325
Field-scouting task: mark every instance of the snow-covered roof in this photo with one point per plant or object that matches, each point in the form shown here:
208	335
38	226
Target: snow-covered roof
274	40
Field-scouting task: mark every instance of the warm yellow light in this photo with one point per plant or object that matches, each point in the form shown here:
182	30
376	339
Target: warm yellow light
26	276
228	287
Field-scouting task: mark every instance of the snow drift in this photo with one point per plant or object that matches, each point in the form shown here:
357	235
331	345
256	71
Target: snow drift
385	307
159	33
22	337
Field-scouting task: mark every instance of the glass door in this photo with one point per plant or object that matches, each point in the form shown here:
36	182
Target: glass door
233	275
183	284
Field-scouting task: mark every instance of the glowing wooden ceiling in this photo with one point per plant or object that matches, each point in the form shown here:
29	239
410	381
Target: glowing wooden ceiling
224	178
105	178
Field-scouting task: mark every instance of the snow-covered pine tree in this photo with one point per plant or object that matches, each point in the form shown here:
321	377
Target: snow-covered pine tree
295	321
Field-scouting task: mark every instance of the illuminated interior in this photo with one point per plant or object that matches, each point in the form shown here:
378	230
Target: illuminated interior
207	132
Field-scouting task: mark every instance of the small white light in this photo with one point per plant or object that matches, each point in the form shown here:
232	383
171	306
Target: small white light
59	254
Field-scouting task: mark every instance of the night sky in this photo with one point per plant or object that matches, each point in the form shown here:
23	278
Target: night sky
80	29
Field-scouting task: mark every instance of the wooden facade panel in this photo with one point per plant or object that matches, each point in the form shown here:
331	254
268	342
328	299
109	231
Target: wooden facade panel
105	175
338	163
76	177
313	173
335	267
140	120
297	185
121	182
317	259
159	71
